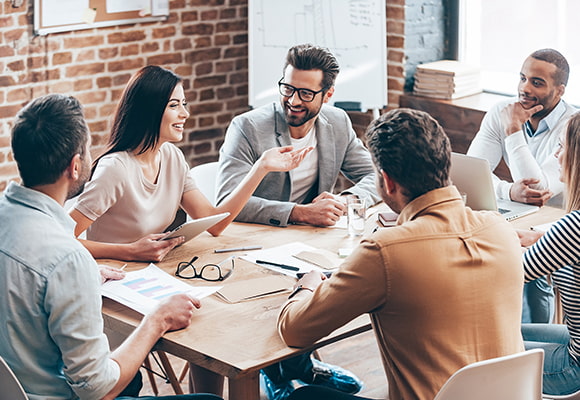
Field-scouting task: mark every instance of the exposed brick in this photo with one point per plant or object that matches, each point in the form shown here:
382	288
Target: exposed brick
165	59
232	26
150	47
225	93
182	44
207	94
224	66
209	15
228	13
6	51
86	55
222	40
202	148
197	29
116	66
62	58
241	38
108	53
130	50
83	84
203	69
203	41
19	95
211	81
14	34
126	36
206	121
16	66
85	70
83	42
189	16
203	55
163	32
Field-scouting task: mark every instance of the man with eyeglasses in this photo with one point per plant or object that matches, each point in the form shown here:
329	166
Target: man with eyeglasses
301	119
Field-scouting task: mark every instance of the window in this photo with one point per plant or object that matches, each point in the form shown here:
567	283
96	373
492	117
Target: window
499	34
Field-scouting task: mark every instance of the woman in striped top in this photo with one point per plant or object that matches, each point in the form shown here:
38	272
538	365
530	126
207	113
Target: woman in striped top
557	252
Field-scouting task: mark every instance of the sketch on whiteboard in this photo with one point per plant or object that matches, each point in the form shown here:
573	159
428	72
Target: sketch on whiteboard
354	30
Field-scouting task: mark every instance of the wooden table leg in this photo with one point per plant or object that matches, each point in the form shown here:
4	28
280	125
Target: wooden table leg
170	373
245	388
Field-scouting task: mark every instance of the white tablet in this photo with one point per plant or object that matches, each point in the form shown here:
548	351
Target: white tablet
193	228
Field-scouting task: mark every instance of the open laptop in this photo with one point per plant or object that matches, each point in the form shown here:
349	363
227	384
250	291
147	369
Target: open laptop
472	176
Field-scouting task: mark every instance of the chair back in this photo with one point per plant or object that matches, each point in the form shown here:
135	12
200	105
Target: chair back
10	388
205	179
571	396
514	377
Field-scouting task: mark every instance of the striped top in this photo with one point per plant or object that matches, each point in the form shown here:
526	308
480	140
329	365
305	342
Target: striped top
558	252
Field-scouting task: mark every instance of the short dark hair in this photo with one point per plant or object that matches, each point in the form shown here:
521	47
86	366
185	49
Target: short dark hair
412	148
307	57
137	121
554	57
46	135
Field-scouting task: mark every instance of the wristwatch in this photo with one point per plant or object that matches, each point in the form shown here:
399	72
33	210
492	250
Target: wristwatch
297	289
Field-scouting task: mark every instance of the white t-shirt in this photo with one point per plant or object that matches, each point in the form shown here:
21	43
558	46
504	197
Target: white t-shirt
124	205
306	174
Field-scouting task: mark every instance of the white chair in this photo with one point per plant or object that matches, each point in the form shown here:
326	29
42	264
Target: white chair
514	377
10	387
205	179
571	396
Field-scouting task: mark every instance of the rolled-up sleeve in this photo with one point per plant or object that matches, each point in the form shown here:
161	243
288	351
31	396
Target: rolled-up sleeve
73	304
308	317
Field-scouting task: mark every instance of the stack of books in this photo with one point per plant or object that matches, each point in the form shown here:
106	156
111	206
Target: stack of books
447	79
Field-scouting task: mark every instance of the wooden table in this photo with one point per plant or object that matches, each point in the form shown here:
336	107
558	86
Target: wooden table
237	340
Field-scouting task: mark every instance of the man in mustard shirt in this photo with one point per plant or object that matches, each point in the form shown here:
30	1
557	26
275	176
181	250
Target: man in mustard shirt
431	283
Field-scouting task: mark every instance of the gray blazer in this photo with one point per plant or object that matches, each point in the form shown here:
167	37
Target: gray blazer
252	133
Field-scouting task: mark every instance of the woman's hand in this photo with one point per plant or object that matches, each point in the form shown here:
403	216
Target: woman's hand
528	237
152	247
283	158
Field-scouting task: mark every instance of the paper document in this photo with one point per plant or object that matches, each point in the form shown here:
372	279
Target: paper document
297	254
255	288
141	290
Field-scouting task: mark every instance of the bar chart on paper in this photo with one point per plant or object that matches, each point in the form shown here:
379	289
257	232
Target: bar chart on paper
143	289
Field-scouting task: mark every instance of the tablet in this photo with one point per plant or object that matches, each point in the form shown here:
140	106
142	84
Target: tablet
193	228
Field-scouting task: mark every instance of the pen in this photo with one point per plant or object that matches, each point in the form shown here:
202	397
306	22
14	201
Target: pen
238	249
290	267
123	267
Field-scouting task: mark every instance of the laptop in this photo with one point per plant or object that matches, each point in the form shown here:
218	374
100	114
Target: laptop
472	176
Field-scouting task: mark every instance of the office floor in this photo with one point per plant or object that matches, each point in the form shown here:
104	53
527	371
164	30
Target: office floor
358	354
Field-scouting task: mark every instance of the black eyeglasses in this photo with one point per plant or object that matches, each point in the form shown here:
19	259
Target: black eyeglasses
209	272
305	95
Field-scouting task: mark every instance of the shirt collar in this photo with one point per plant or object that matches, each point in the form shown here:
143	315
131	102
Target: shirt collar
34	199
548	122
426	201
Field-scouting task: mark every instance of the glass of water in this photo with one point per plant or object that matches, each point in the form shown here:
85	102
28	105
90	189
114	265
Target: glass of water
356	216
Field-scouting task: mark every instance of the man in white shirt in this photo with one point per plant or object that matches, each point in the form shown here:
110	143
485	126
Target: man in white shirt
525	132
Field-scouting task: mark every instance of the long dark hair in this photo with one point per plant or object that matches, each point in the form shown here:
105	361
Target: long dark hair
140	110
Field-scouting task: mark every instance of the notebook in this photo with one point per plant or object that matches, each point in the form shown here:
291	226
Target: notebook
472	176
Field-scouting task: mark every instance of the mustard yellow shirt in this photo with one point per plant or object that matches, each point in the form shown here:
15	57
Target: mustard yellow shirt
443	289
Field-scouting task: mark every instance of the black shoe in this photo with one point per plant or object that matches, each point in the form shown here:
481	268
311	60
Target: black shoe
333	377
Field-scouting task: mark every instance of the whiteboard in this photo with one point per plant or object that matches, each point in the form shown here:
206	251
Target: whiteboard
354	30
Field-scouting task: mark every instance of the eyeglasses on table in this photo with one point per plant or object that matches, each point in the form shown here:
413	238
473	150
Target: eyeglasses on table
207	272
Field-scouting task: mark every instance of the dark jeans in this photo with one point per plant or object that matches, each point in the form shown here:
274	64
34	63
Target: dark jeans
321	393
132	392
288	370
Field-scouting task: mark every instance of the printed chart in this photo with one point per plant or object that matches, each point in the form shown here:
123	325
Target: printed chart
141	290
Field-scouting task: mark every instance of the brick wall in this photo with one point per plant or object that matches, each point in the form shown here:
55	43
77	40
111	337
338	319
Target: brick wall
204	41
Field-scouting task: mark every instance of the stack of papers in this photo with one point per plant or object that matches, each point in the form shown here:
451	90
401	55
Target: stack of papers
447	79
